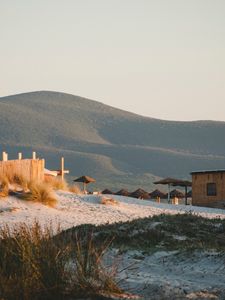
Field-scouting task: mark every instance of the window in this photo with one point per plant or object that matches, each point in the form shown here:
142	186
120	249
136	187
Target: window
211	189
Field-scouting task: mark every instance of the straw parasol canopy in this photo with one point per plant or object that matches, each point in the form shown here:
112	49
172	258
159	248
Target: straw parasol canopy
175	182
176	193
167	180
85	180
157	193
123	192
140	194
106	191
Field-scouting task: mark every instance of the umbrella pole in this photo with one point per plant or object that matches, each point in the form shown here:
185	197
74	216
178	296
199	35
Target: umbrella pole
185	195
168	193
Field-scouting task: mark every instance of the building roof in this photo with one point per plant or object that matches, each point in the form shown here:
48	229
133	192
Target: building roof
51	173
208	172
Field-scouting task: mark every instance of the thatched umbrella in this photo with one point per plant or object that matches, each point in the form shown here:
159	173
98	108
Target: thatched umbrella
157	193
175	182
123	192
106	191
176	193
85	180
140	194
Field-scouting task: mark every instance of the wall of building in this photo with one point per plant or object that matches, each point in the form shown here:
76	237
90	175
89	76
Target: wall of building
199	188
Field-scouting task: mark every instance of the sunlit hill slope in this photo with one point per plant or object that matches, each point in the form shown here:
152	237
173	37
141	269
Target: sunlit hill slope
118	148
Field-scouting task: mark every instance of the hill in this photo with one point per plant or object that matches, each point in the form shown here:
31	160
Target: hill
119	148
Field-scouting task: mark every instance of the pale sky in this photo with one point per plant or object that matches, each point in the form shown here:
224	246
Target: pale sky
158	58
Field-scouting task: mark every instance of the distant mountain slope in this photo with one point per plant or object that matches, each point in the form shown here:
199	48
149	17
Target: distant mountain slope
105	142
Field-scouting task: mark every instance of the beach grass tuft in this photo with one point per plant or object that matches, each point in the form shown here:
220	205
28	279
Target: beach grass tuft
4	187
40	192
38	263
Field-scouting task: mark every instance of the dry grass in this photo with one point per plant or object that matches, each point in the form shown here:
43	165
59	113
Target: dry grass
36	265
40	192
75	189
91	277
32	191
56	183
20	181
59	184
16	179
108	201
4	187
32	264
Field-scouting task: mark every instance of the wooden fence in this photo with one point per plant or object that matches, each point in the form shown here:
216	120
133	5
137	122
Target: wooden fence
31	169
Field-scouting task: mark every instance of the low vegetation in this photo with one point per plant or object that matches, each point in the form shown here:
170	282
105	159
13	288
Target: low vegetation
56	183
34	191
17	181
108	201
34	264
75	189
90	276
183	232
4	187
40	192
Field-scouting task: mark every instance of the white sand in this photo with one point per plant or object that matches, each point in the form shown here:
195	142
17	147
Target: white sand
174	275
73	210
163	275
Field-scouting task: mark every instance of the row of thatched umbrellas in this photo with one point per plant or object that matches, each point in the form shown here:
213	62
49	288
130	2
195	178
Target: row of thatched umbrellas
140	193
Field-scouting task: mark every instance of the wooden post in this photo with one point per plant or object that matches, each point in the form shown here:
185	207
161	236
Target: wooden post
186	195
4	156
20	155
84	187
168	193
62	168
33	155
62	171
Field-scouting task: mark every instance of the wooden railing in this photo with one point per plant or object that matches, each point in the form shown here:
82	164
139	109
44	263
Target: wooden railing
31	169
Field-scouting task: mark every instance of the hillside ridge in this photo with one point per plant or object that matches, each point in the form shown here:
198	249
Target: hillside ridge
115	146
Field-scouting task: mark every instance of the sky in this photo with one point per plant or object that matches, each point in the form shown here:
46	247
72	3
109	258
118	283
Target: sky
158	58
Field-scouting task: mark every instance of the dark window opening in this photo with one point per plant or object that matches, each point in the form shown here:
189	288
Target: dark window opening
211	189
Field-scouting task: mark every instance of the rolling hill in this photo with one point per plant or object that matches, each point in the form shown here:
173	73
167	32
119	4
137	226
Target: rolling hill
118	148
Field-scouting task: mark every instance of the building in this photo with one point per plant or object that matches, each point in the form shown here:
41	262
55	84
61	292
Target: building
208	188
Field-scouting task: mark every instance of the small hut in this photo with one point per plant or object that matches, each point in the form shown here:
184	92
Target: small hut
176	193
140	194
157	194
175	182
107	192
123	192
